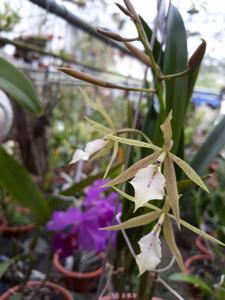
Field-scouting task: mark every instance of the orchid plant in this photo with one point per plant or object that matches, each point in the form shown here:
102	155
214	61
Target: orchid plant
154	176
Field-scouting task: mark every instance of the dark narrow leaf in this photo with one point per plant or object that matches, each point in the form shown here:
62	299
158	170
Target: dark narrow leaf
189	278
175	61
78	187
17	181
17	85
211	147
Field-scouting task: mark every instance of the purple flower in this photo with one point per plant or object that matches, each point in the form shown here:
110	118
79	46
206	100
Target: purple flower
61	220
89	235
66	243
94	192
80	229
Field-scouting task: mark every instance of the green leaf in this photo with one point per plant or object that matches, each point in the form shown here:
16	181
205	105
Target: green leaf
184	184
16	297
150	119
17	181
5	265
211	147
189	171
175	61
157	48
196	281
133	142
131	171
17	85
170	240
79	187
136	221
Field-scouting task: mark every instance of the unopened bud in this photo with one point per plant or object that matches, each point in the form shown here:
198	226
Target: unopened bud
93	80
196	58
123	9
131	9
114	36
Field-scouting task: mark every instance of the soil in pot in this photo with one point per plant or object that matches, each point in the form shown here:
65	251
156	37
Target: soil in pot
49	291
127	296
20	224
81	280
3	225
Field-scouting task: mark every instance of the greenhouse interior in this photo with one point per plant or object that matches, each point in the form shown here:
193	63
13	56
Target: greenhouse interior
112	150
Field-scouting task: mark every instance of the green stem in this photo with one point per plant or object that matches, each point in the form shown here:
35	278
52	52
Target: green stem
132	130
32	246
177	75
155	69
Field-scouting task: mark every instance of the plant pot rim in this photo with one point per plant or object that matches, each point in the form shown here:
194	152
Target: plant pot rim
188	262
199	242
132	296
22	228
3	224
125	296
65	293
67	273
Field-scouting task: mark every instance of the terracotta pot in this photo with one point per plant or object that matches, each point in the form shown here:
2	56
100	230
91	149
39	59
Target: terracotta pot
200	244
195	291
127	296
18	231
62	291
3	225
79	282
191	260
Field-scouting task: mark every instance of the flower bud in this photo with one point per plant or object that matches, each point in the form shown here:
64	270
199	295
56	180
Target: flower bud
196	58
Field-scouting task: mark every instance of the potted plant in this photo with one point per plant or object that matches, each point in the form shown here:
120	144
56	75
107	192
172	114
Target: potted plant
202	273
39	290
127	296
78	243
18	219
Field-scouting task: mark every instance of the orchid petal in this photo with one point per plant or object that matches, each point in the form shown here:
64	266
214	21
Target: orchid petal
91	148
94	146
151	252
148	184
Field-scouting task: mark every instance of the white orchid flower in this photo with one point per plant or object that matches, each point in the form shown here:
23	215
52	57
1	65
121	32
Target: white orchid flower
90	149
149	183
151	252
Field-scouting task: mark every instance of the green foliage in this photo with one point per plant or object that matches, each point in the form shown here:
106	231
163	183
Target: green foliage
16	84
179	90
16	180
196	281
5	265
8	18
175	60
157	48
215	142
80	186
